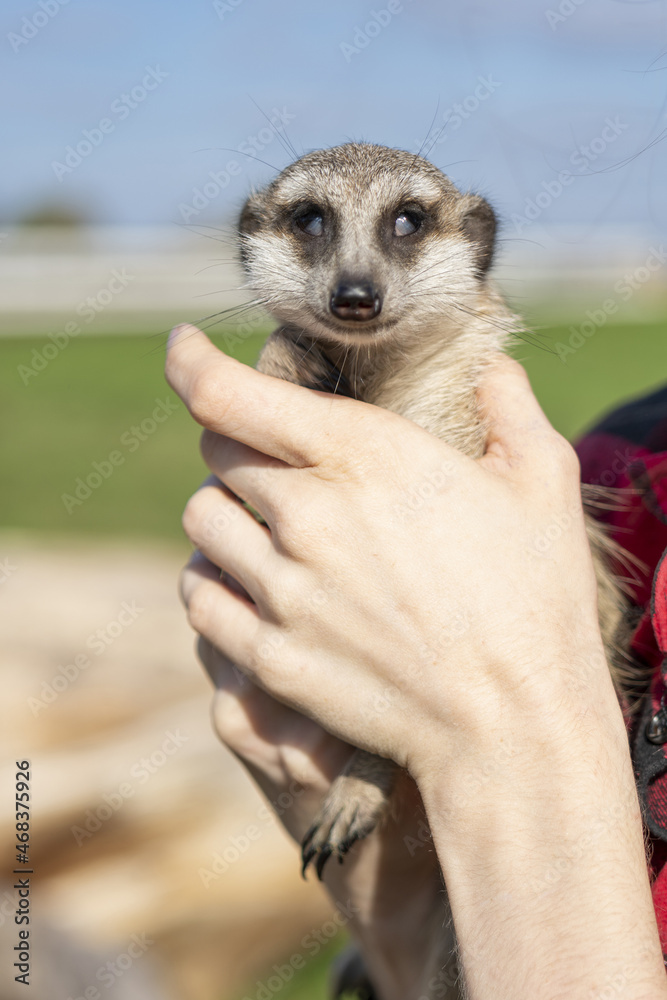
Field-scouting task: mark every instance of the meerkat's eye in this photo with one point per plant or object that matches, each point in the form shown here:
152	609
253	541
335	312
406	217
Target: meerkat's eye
311	222
406	223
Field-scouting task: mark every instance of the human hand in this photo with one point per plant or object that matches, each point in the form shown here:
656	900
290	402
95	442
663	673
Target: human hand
389	891
346	593
343	591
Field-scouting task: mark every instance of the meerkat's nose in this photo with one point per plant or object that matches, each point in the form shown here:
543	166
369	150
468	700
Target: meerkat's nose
355	300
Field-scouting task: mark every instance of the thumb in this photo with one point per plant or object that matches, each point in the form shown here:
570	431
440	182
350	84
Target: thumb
518	434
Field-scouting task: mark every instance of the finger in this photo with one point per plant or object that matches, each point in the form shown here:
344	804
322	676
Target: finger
275	417
226	618
261	481
209	571
230	537
248	720
261	732
518	432
260	649
278	745
256	726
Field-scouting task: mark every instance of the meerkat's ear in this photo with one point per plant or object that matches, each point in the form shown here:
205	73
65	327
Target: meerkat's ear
478	222
252	214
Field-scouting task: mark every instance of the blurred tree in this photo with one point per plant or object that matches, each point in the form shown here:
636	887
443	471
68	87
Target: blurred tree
56	213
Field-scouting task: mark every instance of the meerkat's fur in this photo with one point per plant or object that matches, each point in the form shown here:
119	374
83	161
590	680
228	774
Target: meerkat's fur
376	268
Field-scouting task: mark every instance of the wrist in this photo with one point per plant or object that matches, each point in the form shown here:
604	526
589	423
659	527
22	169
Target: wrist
525	710
546	872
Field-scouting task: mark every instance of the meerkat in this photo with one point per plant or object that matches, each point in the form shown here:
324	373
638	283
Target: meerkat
377	268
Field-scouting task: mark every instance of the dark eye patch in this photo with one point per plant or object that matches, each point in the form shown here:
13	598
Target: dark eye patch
309	219
402	228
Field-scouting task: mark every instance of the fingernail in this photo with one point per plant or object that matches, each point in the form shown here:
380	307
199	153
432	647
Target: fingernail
180	331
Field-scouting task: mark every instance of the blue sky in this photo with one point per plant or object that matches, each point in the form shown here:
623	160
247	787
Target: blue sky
554	83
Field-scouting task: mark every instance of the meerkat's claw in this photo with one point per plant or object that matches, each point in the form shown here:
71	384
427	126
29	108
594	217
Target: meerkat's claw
306	857
307	837
324	856
346	845
350	812
316	844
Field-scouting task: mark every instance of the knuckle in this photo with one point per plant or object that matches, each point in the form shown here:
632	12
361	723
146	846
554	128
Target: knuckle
268	652
288	533
201	607
207	400
565	458
283	594
290	517
297	530
230	721
368	440
207	514
193	516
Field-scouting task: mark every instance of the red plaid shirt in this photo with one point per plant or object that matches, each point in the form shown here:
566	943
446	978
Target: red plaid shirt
628	450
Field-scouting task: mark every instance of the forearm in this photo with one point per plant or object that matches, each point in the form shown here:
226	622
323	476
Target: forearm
545	863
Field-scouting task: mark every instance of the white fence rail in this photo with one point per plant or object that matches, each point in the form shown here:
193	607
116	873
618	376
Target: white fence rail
115	273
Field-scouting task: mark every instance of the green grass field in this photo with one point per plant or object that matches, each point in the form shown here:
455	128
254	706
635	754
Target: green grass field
97	397
309	983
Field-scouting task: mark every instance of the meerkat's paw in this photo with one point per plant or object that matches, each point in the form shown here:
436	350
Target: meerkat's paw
351	810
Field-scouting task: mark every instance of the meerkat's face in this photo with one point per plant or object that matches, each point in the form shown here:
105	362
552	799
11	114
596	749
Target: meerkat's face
358	242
